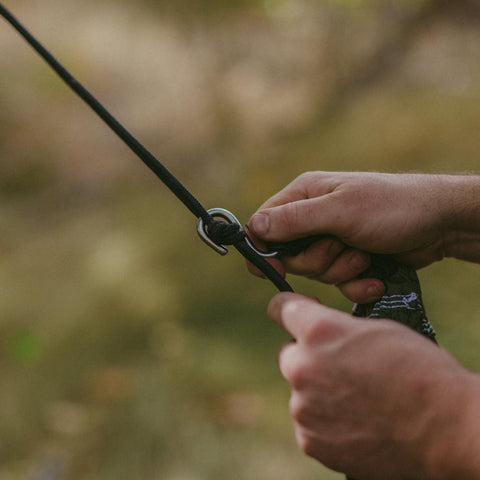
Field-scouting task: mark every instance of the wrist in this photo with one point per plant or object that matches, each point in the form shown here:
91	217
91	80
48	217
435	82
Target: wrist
462	245
455	446
471	437
459	219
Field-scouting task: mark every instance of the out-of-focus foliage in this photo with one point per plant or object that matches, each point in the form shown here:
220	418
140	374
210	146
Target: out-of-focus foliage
127	348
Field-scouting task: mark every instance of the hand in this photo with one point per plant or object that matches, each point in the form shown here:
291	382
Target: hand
375	400
358	212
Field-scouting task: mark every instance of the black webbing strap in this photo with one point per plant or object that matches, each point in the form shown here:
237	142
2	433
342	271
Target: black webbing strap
402	300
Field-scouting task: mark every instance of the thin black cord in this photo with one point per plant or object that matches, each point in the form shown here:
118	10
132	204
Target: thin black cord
175	186
263	266
147	158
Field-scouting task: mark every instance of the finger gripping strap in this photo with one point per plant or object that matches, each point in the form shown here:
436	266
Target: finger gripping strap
402	301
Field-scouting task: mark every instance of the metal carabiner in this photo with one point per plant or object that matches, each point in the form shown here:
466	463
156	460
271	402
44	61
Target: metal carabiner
230	218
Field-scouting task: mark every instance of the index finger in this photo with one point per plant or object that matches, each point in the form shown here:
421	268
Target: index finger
305	186
296	314
292	192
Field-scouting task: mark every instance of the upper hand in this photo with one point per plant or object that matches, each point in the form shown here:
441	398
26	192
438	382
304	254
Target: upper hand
358	213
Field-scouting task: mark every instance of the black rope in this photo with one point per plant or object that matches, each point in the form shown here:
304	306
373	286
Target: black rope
263	266
147	158
222	233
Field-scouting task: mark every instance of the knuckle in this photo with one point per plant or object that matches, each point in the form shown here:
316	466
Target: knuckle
321	448
335	274
306	443
289	216
319	257
298	409
293	368
346	267
325	277
336	459
313	445
331	246
305	176
316	271
317	330
297	376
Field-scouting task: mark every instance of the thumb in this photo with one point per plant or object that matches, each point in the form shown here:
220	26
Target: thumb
298	219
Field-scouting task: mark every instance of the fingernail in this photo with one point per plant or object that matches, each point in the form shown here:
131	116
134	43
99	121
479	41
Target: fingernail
259	224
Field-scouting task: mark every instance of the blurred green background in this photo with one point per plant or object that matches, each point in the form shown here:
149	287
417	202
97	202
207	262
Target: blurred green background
128	349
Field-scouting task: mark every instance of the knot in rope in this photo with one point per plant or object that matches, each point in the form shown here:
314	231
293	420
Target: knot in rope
224	233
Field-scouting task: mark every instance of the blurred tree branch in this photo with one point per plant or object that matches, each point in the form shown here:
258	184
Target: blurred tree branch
383	61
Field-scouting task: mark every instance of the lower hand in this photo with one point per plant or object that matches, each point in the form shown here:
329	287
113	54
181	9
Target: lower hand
373	399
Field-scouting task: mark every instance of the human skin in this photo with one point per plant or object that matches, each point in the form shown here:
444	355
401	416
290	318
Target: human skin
374	399
419	219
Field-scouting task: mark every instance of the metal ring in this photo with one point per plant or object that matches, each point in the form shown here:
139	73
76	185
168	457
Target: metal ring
260	252
230	218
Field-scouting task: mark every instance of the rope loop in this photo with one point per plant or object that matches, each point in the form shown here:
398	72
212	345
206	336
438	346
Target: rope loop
224	233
